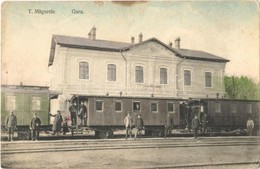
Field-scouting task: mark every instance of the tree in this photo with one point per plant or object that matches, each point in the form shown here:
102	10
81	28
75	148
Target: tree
241	88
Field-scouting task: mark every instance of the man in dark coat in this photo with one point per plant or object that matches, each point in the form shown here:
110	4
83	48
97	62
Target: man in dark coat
139	125
83	114
195	125
35	127
168	125
73	113
56	127
10	124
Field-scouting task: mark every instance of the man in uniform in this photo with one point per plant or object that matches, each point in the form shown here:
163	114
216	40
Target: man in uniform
139	125
10	124
128	125
83	113
35	126
57	122
73	113
168	125
195	125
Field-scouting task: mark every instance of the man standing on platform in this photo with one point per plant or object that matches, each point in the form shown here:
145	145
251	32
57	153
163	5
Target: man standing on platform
195	125
168	125
73	113
35	127
128	125
10	124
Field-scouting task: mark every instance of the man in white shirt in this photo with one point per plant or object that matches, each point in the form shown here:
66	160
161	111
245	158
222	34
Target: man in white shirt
128	125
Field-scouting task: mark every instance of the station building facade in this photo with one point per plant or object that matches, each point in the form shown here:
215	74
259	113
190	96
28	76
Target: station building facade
150	68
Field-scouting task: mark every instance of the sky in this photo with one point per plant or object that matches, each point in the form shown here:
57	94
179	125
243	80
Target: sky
229	29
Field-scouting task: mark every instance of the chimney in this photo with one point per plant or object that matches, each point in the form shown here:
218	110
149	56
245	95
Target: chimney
92	33
170	44
177	43
140	37
132	39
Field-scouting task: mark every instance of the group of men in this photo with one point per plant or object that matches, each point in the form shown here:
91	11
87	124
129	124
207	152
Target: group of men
11	124
80	111
139	125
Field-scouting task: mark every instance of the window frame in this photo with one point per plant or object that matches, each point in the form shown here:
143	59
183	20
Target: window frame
80	71
190	79
173	105
136	79
121	106
96	106
156	103
32	102
13	107
211	79
112	72
217	107
163	81
134	107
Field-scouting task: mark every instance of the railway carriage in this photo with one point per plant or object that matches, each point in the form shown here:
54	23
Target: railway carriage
25	101
106	113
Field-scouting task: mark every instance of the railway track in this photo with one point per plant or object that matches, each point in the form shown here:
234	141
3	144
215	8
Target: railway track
113	144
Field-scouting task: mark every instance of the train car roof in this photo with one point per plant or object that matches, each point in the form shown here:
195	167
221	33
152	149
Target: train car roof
127	97
30	89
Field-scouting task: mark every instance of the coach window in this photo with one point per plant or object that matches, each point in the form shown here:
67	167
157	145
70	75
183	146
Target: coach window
187	77
233	108
118	106
83	70
171	107
249	108
111	72
10	102
163	76
217	107
136	106
36	103
139	74
208	79
154	107
99	106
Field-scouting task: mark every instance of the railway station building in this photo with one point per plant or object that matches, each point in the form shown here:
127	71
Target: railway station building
146	68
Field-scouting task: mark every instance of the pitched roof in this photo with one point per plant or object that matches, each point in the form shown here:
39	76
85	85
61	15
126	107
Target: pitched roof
89	43
104	45
195	54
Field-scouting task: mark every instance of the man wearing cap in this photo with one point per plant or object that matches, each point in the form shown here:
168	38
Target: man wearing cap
10	124
195	125
139	125
168	125
35	126
57	122
73	113
128	125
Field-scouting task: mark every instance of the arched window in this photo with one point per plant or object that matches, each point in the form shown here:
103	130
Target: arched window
139	74
208	79
111	72
163	76
83	70
187	77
